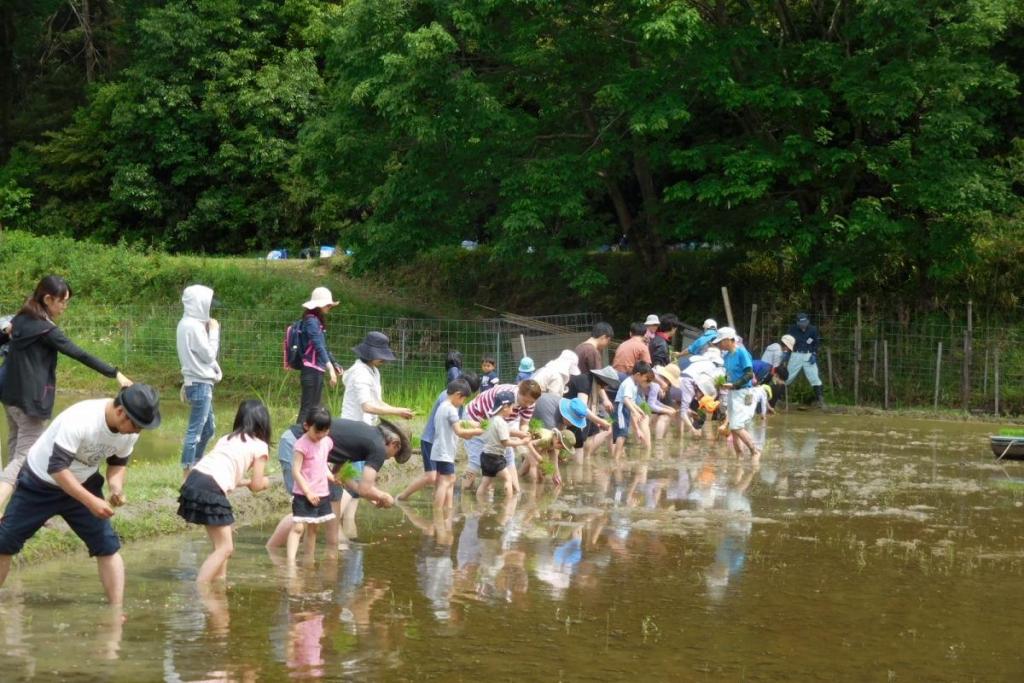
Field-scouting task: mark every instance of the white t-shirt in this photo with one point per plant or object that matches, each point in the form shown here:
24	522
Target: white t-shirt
362	385
81	430
230	459
497	432
445	439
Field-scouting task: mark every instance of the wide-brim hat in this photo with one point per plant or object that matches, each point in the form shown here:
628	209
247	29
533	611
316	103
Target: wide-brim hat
321	297
526	364
375	346
789	341
670	372
405	448
566	439
652	320
608	376
723	334
574	410
141	403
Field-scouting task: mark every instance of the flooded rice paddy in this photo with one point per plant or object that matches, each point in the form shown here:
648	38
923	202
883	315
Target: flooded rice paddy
861	548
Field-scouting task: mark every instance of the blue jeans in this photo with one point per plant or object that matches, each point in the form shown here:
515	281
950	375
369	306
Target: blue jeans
200	422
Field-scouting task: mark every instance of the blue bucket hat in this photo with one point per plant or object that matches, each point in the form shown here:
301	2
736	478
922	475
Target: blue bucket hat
526	364
574	411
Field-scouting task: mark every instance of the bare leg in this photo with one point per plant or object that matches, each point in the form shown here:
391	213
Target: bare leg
441	491
111	568
294	536
425	479
507	476
216	564
280	535
485	483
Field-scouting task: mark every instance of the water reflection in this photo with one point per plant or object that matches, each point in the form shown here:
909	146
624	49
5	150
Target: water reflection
685	558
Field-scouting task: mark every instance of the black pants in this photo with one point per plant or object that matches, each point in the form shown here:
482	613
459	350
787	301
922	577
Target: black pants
312	382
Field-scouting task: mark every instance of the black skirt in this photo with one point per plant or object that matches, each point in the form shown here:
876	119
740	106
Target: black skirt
201	501
305	512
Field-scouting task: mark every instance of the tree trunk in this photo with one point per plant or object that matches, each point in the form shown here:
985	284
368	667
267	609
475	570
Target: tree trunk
647	241
7	78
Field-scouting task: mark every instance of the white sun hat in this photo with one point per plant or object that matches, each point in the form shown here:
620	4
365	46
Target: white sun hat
321	297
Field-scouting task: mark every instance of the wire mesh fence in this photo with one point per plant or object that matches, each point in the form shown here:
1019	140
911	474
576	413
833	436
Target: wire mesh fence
141	340
908	360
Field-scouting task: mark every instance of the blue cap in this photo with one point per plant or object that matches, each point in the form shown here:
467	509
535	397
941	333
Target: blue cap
502	399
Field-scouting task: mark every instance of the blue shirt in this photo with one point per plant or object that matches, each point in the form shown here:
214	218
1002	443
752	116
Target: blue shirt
736	363
702	342
428	429
489	380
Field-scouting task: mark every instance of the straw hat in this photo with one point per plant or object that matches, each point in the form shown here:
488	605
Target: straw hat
788	341
670	372
321	297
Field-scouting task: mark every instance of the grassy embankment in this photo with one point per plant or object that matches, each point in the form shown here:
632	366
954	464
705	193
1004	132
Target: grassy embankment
108	280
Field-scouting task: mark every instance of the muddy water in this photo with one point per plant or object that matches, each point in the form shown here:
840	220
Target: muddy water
860	549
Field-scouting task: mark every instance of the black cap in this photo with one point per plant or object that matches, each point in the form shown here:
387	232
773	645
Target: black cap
142	404
802	318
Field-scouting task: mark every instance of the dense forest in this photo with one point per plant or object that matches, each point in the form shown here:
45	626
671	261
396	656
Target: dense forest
857	143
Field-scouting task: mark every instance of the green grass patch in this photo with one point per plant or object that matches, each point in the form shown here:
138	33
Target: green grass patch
1012	431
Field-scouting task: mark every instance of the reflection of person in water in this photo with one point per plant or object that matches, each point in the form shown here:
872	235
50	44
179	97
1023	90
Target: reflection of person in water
304	654
731	553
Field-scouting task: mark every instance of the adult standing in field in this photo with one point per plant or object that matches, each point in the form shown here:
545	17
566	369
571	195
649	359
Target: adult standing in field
30	378
660	345
198	341
804	358
364	401
61	477
631	351
590	352
316	358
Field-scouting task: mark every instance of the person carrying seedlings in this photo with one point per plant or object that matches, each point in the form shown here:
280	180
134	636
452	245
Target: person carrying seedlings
552	415
741	398
311	503
30	372
370	446
627	408
526	369
203	498
632	351
526	394
805	355
198	341
447	428
659	397
497	442
61	477
489	373
316	358
429	476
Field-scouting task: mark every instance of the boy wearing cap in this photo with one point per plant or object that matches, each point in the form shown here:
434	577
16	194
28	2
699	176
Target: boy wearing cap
804	358
526	369
497	439
61	477
741	397
526	394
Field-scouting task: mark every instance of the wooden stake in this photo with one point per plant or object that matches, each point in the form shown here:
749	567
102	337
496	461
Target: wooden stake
885	373
965	385
753	326
938	372
728	307
522	342
874	362
831	375
856	357
995	361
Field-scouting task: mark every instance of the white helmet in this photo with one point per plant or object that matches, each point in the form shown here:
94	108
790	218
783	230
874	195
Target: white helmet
710	324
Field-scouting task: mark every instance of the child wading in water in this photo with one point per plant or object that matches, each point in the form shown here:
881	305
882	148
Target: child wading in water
497	440
203	498
311	502
447	428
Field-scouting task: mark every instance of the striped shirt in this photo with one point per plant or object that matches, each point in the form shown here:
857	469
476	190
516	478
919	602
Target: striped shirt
480	407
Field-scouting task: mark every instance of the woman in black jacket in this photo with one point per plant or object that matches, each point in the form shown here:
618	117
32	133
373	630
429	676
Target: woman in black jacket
30	378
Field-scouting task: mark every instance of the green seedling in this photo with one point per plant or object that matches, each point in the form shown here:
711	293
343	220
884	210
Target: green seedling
720	381
535	426
547	467
1012	431
646	408
484	424
348	472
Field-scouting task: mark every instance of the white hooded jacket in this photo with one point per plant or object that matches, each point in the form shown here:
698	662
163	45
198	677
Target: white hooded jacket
197	345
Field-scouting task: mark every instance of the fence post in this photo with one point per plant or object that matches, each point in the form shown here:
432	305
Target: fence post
938	371
984	375
856	358
995	360
885	373
497	350
874	362
753	325
831	376
401	351
965	386
728	307
127	339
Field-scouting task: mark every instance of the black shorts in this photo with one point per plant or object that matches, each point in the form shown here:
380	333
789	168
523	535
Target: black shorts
491	464
307	513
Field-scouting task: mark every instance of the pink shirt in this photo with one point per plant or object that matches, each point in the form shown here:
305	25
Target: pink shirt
230	459
314	464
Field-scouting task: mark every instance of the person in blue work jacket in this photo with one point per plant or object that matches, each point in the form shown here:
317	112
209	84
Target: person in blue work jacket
804	357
